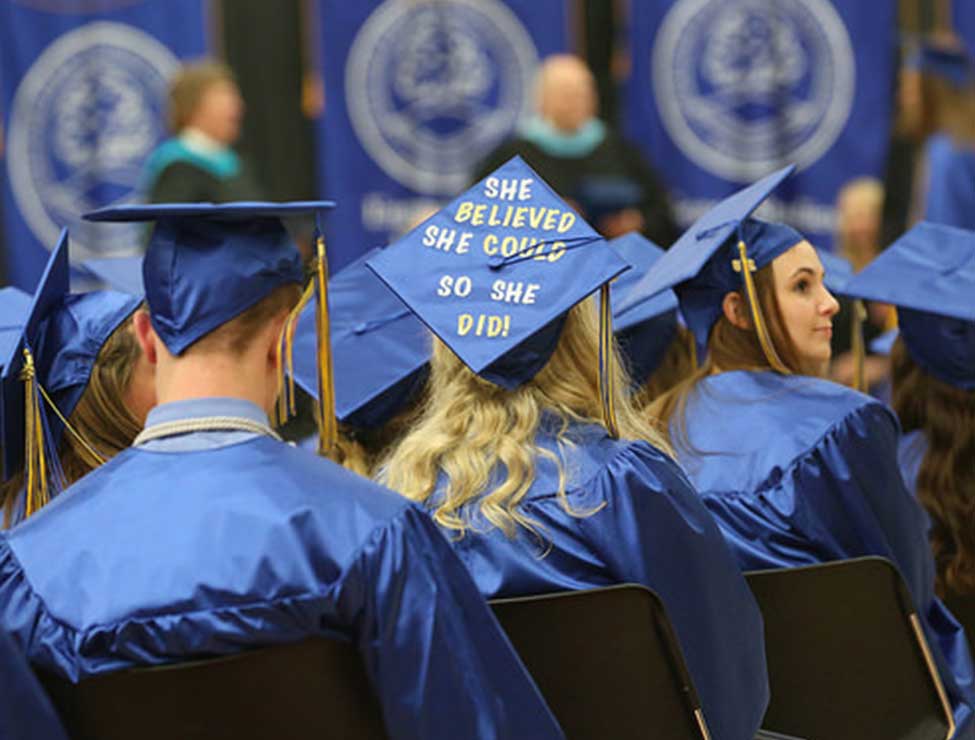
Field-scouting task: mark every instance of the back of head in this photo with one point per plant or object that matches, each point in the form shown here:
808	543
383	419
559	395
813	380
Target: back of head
471	430
945	414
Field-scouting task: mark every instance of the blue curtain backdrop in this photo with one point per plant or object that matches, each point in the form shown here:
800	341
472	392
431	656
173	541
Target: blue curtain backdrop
723	92
83	99
416	93
963	12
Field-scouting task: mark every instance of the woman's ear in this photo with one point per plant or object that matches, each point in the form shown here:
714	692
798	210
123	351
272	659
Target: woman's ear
145	335
735	310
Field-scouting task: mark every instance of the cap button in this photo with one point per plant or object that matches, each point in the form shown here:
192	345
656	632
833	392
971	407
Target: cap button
495	261
361	328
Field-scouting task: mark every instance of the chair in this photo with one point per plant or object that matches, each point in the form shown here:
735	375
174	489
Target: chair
846	654
316	689
607	662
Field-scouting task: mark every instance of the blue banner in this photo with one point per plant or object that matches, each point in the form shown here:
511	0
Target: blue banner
83	97
963	20
417	92
723	92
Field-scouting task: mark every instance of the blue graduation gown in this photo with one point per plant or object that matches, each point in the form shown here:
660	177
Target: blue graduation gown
25	711
950	195
798	470
156	557
652	530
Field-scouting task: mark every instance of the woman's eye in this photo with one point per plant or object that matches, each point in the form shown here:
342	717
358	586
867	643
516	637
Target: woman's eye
802	286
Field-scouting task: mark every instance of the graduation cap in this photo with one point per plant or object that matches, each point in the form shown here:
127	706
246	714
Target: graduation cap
717	255
883	344
603	195
494	273
929	274
380	350
948	63
14	305
47	368
120	273
208	263
646	328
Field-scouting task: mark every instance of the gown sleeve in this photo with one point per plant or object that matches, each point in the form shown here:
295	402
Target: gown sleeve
439	662
25	710
655	531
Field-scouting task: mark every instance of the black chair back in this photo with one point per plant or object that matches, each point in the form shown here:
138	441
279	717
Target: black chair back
313	689
847	658
607	662
963	607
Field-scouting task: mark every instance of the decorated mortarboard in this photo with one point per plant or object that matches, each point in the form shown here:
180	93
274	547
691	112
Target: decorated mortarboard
929	274
949	63
646	328
380	350
207	263
494	273
119	273
47	369
717	255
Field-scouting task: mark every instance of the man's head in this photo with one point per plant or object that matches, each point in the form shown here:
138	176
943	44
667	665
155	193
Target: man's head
565	93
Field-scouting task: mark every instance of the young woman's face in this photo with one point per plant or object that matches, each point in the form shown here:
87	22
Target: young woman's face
806	306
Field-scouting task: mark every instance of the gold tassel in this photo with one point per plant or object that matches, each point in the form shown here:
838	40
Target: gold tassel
857	345
606	378
327	423
746	266
35	463
285	406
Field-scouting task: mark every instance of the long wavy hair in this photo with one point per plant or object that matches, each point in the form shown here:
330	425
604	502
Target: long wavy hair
100	417
729	348
470	429
946	480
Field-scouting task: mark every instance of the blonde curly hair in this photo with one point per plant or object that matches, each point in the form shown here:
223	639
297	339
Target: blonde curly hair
470	428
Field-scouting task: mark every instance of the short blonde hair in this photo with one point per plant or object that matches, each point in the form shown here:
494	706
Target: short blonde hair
188	86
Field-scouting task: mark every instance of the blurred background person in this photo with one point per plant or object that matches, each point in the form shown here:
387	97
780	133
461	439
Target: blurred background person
199	164
605	177
859	211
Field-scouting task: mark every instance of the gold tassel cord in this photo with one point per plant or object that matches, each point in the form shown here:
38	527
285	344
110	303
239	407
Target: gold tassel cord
859	314
746	266
606	378
35	466
286	407
327	424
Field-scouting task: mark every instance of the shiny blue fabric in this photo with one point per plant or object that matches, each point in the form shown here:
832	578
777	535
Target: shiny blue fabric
950	195
651	529
25	711
798	470
163	557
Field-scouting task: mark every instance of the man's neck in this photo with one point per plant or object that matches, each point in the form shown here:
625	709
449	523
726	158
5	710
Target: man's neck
208	377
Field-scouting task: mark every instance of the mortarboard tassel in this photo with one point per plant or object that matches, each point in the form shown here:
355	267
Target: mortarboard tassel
858	346
286	405
327	423
606	380
746	266
35	463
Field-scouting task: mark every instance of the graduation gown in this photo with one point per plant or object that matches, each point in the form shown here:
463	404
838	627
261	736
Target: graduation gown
25	711
158	557
799	470
650	528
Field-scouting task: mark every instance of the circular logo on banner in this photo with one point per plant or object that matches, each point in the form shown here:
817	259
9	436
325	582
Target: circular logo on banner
83	120
743	86
433	86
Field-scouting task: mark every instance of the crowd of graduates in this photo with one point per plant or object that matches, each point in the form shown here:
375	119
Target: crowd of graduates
506	404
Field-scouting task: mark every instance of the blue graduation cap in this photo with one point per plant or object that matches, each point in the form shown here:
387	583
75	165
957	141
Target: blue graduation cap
949	63
883	344
14	305
929	274
646	328
602	195
717	255
208	263
52	358
120	273
494	273
380	350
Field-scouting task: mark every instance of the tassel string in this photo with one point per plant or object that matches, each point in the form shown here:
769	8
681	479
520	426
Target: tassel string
328	425
746	266
607	388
